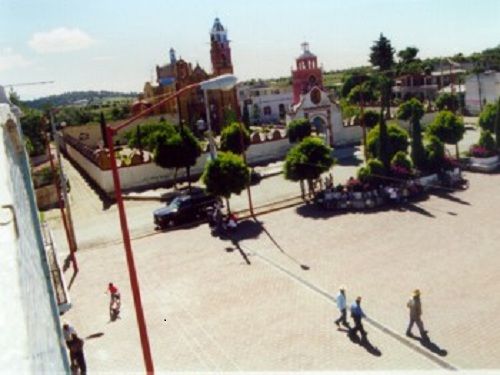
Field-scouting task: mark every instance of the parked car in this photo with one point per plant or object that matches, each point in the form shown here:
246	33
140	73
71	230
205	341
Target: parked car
183	208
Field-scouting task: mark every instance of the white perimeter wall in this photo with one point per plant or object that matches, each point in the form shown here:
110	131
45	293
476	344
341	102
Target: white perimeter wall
144	175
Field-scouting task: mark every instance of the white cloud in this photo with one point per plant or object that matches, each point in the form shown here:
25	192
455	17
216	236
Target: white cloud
10	60
61	39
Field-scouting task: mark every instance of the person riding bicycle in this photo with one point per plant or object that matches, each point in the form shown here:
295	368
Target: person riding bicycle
114	293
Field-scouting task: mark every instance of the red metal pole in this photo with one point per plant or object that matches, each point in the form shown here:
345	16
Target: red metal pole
134	282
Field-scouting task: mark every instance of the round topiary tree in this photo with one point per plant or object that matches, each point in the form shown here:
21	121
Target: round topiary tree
486	141
487	116
448	127
447	101
401	165
373	172
397	140
235	138
226	175
307	161
435	154
298	129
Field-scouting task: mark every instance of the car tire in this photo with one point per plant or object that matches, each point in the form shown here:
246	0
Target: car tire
170	223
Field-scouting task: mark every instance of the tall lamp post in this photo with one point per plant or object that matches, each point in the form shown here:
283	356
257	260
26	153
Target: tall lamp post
222	82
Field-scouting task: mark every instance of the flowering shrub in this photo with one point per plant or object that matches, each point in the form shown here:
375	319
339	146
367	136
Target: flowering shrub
450	163
481	152
400	171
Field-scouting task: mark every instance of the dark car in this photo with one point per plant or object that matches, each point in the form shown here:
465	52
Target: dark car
183	209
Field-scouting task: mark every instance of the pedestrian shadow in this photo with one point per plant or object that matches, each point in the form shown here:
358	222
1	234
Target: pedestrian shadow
411	207
364	343
431	346
448	196
278	246
94	335
246	229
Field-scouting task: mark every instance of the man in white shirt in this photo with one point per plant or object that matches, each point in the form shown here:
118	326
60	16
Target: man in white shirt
341	305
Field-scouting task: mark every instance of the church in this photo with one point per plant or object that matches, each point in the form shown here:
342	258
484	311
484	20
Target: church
178	73
311	101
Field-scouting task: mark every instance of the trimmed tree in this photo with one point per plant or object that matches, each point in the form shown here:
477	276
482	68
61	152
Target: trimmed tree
447	101
298	129
397	140
434	153
371	118
168	152
191	150
307	161
413	110
373	172
235	138
487	116
449	128
226	175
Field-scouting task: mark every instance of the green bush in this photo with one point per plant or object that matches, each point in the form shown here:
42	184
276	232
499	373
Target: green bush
298	129
487	117
435	154
235	138
486	140
373	172
401	160
397	140
371	118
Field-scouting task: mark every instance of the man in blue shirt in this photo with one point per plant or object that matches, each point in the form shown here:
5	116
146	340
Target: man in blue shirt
357	314
341	304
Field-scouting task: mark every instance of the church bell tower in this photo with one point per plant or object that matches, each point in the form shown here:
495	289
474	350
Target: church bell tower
220	52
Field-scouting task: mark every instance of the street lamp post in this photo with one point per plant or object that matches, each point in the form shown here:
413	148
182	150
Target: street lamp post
226	81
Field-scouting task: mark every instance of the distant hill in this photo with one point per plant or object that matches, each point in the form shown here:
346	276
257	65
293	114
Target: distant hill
79	98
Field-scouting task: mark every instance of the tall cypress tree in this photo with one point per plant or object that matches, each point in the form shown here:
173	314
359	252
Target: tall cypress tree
102	123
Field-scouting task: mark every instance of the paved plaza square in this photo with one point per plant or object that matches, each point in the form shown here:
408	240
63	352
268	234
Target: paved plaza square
263	300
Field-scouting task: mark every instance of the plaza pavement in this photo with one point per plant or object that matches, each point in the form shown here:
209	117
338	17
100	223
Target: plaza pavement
263	300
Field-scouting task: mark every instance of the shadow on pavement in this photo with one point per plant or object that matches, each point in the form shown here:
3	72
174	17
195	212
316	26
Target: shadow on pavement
417	209
278	246
364	343
94	335
431	346
448	196
350	161
246	229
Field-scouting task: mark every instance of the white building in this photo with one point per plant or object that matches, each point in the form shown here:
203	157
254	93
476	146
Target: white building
325	117
265	103
481	89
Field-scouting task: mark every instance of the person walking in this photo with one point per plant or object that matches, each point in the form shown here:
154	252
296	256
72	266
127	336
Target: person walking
415	307
341	305
68	332
76	349
357	315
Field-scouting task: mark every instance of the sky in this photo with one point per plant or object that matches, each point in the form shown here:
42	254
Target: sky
116	44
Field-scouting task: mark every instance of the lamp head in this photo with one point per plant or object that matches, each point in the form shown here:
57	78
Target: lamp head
223	82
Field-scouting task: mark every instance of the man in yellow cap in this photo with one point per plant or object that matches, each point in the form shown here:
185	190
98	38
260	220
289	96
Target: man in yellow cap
415	307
